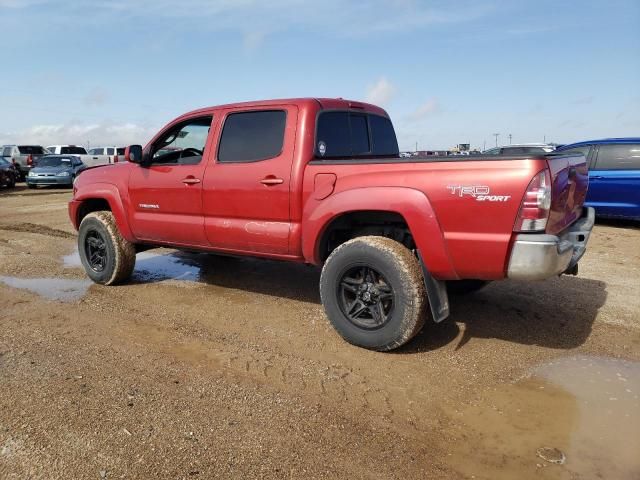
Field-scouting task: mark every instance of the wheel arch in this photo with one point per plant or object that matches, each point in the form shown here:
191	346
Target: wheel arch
403	205
103	197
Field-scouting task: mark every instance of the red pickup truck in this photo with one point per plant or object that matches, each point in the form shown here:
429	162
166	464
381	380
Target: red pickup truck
321	181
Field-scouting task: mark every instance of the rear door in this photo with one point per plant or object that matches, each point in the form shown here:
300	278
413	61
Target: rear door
166	195
614	188
246	191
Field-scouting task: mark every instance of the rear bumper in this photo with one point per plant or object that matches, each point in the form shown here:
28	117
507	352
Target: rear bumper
537	256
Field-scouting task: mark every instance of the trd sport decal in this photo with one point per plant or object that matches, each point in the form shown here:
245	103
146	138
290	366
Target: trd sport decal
481	193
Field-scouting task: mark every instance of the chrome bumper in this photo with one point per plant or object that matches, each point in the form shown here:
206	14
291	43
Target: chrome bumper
537	256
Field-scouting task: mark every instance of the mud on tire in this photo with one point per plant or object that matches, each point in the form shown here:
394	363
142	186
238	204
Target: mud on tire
105	255
373	293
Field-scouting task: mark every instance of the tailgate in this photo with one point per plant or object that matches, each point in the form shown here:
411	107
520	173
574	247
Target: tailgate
570	181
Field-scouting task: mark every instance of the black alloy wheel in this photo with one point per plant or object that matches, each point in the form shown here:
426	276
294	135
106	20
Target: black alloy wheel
366	297
95	249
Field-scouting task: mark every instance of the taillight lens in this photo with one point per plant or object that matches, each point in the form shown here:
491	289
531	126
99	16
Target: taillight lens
115	159
536	204
30	160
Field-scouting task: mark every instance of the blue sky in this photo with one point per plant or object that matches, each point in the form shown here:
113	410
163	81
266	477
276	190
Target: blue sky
448	72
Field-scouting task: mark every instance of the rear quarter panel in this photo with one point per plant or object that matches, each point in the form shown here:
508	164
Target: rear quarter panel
471	204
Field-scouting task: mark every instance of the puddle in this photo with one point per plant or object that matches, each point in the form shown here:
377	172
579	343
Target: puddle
61	289
153	266
577	417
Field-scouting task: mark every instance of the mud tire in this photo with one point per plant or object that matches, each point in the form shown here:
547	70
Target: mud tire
401	271
120	254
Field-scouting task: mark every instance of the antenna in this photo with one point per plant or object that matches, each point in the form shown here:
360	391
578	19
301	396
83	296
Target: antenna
496	135
509	139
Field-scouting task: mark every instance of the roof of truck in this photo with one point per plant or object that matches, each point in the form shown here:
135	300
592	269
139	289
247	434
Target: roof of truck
325	103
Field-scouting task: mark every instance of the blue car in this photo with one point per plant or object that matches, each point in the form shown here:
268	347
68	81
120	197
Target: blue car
614	175
58	170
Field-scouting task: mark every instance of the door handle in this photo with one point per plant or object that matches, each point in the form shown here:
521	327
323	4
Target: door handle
271	180
190	180
596	177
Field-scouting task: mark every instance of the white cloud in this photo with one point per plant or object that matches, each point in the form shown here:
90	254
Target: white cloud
430	107
381	92
81	134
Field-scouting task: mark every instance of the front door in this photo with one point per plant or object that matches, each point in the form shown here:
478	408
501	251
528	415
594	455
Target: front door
246	191
166	195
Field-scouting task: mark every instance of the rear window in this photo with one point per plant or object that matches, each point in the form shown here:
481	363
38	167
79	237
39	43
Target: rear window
120	151
31	150
384	136
73	150
347	134
618	157
252	136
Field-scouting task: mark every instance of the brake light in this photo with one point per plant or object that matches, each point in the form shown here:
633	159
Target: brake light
30	160
115	159
536	204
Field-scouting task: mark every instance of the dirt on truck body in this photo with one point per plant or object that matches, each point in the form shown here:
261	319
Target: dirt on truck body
206	366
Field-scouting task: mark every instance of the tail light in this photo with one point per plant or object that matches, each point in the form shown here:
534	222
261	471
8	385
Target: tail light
30	160
536	204
115	159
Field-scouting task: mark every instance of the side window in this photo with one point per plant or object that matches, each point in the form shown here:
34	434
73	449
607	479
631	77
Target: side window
6	152
618	157
252	136
182	144
493	151
111	151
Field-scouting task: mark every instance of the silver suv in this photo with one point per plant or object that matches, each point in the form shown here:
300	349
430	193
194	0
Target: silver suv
23	156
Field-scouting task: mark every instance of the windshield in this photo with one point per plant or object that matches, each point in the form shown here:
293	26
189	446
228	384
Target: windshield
54	162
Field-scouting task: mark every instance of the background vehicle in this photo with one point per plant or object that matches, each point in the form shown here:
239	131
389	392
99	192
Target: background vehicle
321	181
521	149
614	175
9	174
76	150
23	156
55	170
106	155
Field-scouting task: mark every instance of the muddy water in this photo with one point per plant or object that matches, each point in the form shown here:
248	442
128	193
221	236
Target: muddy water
578	417
153	266
61	289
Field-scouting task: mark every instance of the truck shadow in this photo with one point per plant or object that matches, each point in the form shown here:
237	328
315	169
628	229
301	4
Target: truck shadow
557	313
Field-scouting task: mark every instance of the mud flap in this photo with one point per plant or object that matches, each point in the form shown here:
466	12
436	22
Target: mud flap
437	294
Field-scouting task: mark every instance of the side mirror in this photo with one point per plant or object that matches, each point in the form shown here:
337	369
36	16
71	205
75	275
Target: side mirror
133	153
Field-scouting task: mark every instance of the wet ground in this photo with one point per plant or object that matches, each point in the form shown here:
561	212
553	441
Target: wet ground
213	367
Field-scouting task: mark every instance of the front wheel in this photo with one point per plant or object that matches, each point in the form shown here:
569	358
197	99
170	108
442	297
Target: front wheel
372	290
107	257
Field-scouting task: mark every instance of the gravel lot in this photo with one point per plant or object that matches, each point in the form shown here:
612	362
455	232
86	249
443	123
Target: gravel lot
213	367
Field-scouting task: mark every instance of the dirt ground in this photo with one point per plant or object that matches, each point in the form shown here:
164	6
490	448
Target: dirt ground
213	367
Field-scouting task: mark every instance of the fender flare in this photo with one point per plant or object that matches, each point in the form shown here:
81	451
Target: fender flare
110	193
413	205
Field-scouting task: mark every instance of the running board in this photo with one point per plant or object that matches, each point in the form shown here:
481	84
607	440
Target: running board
436	293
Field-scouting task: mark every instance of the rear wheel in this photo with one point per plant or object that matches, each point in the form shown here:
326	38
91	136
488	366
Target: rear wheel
107	257
372	290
